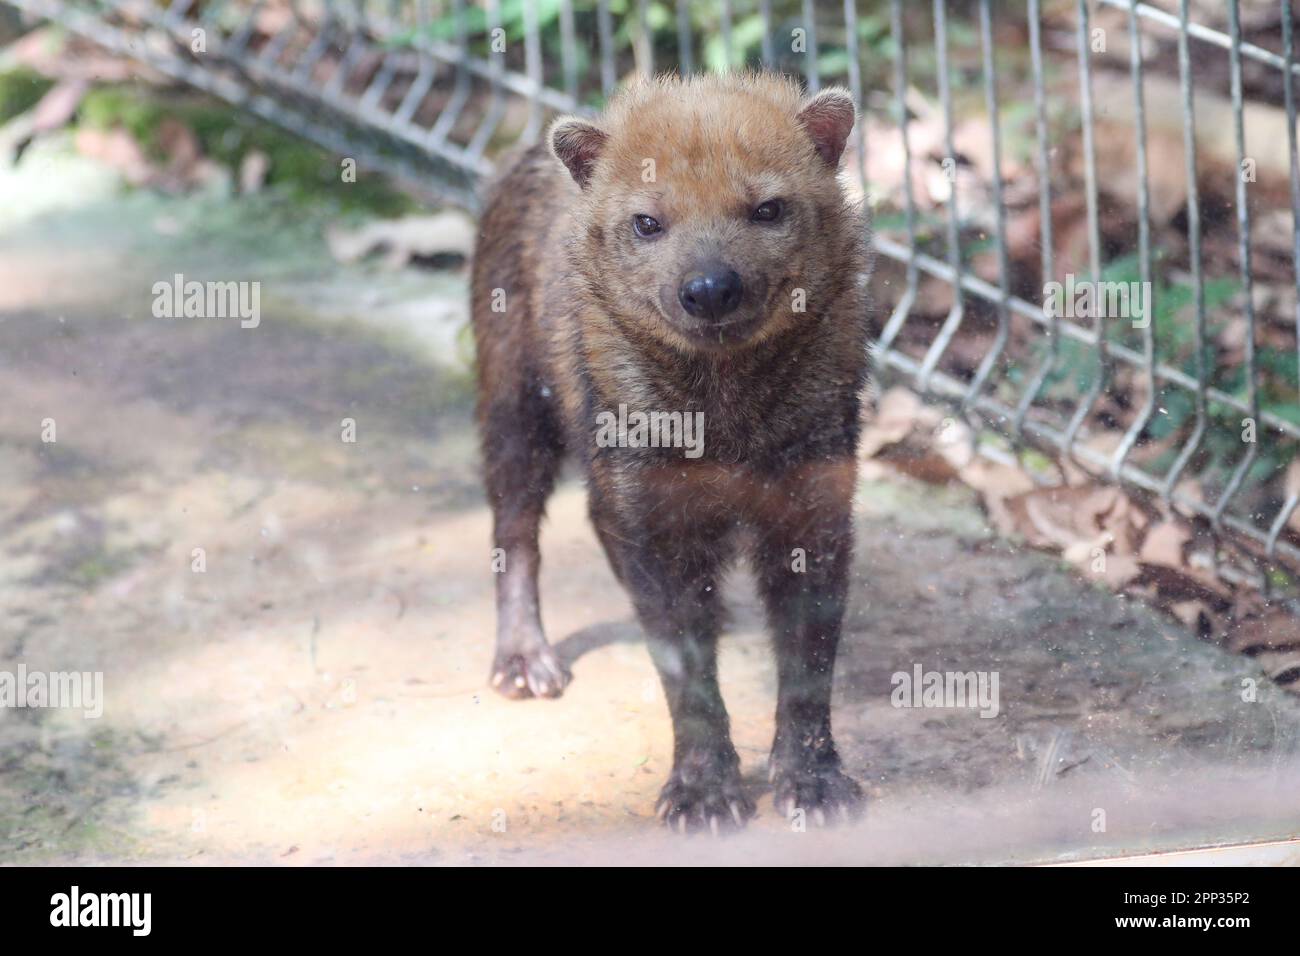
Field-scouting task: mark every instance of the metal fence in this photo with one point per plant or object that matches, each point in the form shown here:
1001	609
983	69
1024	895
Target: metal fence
1151	399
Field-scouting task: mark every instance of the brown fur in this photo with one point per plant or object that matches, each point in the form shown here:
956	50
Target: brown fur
591	318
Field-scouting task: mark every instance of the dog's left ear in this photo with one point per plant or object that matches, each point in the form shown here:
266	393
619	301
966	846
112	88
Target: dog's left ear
828	118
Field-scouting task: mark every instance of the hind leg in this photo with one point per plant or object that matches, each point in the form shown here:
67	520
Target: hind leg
522	450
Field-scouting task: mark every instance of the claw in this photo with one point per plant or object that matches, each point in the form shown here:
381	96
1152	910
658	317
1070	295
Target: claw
531	672
693	802
827	796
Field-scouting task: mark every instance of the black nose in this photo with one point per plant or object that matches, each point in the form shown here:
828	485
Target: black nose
710	294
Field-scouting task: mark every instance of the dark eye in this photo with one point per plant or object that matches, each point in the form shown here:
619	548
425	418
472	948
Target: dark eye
646	226
769	211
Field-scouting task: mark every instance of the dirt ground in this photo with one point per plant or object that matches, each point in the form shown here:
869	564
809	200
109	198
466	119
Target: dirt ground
318	694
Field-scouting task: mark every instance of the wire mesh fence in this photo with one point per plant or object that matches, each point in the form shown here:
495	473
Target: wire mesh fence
1088	210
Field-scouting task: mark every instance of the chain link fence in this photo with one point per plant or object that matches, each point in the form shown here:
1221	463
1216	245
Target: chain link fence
1088	210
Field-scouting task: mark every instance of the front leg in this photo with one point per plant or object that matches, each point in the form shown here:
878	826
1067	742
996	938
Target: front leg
671	569
805	548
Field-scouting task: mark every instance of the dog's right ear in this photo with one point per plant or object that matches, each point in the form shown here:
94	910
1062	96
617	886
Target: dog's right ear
577	143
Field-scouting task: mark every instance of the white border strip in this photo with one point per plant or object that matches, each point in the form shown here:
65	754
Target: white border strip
1279	853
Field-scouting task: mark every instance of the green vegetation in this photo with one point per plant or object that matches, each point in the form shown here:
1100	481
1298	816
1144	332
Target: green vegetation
20	90
298	169
1222	448
710	47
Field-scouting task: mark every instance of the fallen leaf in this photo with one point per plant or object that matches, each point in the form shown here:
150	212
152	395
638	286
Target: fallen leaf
1164	544
119	150
446	233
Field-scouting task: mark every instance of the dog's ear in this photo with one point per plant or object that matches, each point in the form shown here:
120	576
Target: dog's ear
577	143
828	119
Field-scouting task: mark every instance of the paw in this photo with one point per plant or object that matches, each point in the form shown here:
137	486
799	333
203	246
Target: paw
536	672
824	794
712	802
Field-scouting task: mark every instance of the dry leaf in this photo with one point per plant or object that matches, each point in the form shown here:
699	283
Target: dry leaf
446	233
1164	544
117	149
1275	629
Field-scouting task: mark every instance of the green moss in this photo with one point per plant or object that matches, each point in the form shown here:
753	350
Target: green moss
56	800
109	107
299	169
20	90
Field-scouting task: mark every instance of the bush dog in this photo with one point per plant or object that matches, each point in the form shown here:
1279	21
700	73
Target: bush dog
687	260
